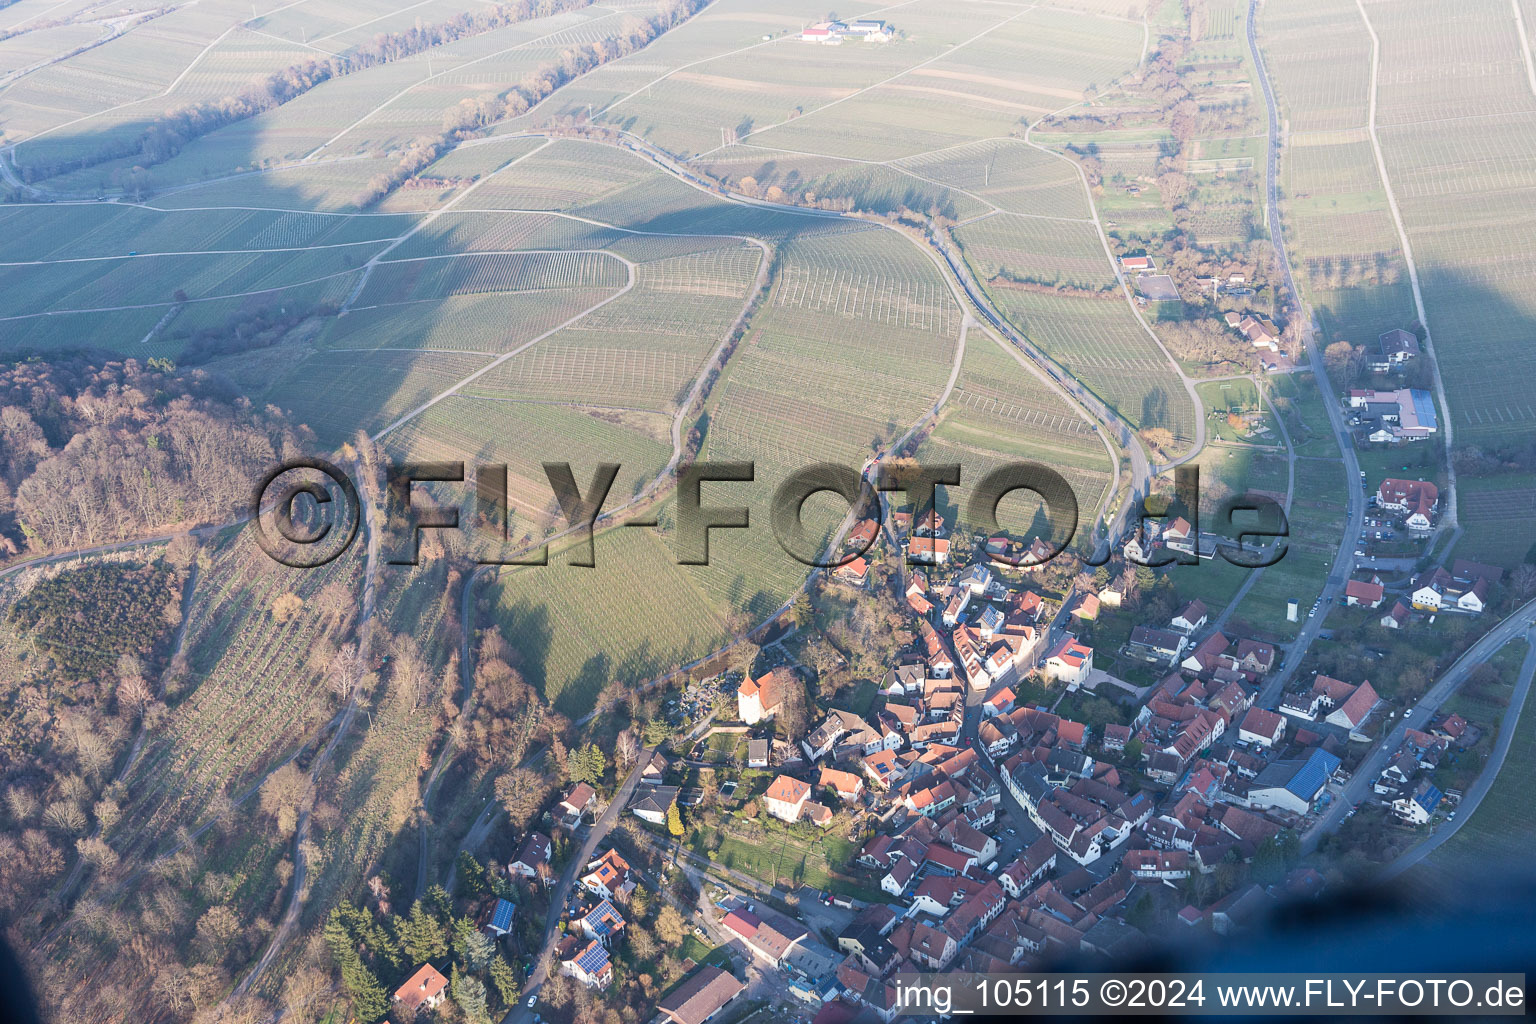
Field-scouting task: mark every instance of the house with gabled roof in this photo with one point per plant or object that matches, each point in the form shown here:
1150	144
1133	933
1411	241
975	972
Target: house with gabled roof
1191	617
423	989
1393	349
1419	806
535	850
1396	618
1262	727
590	965
928	550
1355	708
652	803
500	921
932	947
1366	593
1157	645
702	995
608	876
579	801
1206	657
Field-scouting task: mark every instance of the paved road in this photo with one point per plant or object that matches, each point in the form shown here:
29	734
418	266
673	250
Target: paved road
1349	542
1479	789
520	1013
1417	717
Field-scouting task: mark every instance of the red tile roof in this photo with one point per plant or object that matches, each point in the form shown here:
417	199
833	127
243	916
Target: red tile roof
788	789
425	984
1363	591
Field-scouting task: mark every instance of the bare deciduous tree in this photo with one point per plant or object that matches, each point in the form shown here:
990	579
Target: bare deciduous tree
344	671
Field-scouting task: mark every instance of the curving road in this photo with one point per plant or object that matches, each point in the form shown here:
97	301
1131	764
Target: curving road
1522	620
1479	789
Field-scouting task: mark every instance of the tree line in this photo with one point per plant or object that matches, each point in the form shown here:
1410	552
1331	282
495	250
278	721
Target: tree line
166	135
471	115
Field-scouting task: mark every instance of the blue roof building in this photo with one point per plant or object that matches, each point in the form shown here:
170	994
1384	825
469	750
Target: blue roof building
1312	776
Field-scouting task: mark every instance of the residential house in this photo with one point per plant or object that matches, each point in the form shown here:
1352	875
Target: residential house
1032	865
1254	657
1207	657
882	769
1393	349
423	989
654	802
1191	617
1157	645
608	876
786	798
581	799
1158	865
854	572
862	535
1396	618
1262	727
1418	807
846	785
1086	609
757	753
1474	599
602	922
932	947
501	918
1361	701
591	965
899	877
535	850
1428	590
928	550
1366	593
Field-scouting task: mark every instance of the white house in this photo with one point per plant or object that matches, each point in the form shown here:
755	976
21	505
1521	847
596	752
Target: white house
786	798
1417	808
1191	618
1261	727
1069	662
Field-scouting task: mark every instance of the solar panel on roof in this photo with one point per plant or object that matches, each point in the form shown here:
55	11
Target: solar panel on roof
502	918
1309	778
593	959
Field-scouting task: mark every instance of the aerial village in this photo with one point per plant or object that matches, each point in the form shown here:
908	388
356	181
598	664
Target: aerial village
984	828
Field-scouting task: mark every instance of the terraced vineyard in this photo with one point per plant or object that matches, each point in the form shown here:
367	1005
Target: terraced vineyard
653	234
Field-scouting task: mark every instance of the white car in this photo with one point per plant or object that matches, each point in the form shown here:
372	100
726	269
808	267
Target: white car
532	1000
